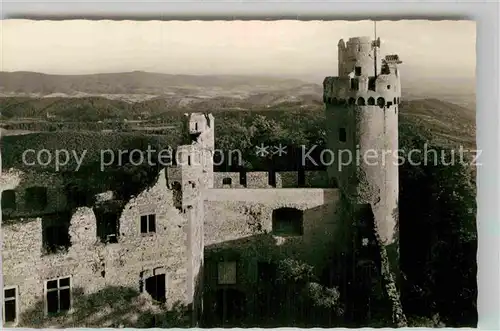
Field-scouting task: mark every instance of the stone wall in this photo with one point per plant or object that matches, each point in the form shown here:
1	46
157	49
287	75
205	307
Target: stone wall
19	181
93	265
260	179
231	215
238	227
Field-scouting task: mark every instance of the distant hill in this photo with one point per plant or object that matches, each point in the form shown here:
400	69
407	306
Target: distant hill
136	82
181	90
449	123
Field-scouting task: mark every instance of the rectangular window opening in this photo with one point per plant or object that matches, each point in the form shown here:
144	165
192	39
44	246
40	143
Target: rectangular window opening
58	295
342	135
148	223
301	177
226	273
272	178
107	226
9	199
354	84
10	306
243	178
156	287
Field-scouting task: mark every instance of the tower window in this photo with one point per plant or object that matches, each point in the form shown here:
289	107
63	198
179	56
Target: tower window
357	71
388	87
10	305
342	135
58	295
371	101
189	159
148	223
372	83
381	102
354	84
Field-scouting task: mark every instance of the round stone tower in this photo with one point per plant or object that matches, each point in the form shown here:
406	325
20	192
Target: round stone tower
362	114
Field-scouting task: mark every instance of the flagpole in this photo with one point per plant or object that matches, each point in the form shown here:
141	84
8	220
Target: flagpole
375	47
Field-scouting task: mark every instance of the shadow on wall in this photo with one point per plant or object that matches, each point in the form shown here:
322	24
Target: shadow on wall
113	307
249	295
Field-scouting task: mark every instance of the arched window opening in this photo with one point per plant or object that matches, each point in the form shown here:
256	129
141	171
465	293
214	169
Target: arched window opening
381	102
335	101
371	101
361	101
352	101
287	222
155	285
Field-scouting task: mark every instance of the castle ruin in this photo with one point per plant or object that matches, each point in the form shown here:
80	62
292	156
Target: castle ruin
196	235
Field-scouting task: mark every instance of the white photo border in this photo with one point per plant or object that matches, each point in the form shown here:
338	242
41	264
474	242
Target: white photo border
486	15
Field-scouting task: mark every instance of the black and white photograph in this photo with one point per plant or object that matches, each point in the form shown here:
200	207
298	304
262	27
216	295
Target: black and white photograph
238	173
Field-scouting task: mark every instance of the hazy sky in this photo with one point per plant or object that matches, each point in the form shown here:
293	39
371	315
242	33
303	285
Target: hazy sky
292	48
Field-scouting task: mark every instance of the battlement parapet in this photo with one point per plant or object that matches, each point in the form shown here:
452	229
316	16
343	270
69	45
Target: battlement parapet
362	91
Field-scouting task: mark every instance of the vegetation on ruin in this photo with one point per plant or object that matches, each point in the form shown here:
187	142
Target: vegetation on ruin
437	203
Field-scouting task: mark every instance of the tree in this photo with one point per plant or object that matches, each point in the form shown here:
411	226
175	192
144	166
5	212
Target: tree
438	237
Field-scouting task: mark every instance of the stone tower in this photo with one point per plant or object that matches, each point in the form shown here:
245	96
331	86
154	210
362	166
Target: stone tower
362	115
201	130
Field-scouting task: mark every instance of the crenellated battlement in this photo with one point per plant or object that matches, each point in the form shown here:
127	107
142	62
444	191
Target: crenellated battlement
362	90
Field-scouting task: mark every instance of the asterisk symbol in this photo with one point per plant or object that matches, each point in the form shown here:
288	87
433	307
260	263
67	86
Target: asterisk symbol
262	150
280	150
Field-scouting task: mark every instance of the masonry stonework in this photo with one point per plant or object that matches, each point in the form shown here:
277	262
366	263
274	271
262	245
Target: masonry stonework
201	218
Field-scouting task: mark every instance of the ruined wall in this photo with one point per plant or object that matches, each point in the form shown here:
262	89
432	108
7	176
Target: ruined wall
94	265
19	181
